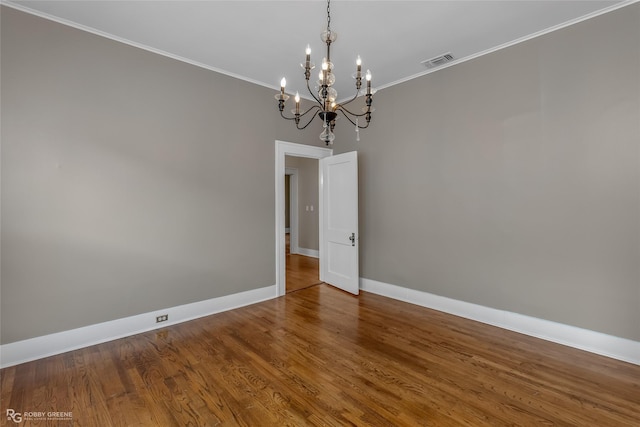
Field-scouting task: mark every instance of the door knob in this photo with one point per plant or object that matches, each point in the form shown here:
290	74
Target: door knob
353	239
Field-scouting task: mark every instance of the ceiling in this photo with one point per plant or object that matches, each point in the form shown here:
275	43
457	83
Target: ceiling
262	41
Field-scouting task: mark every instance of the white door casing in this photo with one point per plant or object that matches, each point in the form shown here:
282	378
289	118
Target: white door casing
339	238
283	149
293	209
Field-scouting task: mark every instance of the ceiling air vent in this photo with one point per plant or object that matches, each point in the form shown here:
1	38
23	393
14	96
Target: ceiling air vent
438	60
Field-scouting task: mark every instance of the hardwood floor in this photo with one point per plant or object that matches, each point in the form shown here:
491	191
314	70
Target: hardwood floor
322	357
302	271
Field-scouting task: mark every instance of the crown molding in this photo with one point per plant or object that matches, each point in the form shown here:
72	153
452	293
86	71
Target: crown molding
123	40
23	8
513	42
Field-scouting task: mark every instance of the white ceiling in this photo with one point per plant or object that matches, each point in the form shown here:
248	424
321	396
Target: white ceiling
262	41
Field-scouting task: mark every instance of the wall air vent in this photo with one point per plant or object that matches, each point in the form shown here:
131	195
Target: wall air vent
438	60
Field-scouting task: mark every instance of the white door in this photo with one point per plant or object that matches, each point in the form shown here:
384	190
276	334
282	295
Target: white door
339	244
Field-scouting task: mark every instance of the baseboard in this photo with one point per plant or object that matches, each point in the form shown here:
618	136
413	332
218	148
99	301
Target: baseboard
583	339
61	342
309	252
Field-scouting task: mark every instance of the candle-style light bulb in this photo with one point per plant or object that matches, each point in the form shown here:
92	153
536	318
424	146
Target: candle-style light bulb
323	73
368	77
283	83
297	98
358	68
307	61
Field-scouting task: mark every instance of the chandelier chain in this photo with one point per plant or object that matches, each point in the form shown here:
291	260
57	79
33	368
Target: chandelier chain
328	16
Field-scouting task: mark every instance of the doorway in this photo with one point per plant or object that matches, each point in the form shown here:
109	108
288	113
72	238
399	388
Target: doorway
301	223
284	149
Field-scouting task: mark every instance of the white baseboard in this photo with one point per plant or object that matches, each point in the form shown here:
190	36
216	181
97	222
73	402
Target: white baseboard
583	339
61	342
309	252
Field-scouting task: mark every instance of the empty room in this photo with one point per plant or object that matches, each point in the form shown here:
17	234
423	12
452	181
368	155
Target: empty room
458	182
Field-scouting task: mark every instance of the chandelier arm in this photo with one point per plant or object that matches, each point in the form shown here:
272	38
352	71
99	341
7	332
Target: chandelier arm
344	110
301	114
351	100
310	108
285	117
314	107
352	122
310	120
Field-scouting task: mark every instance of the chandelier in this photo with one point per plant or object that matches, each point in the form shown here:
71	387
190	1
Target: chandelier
326	107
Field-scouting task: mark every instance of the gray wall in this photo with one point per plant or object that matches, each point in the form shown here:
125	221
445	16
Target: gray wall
513	180
308	221
130	181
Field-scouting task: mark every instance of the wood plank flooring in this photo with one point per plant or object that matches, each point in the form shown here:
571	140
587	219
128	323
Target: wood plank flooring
322	357
302	271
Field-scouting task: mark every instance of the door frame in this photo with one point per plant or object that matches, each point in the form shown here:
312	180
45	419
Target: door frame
283	149
293	208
